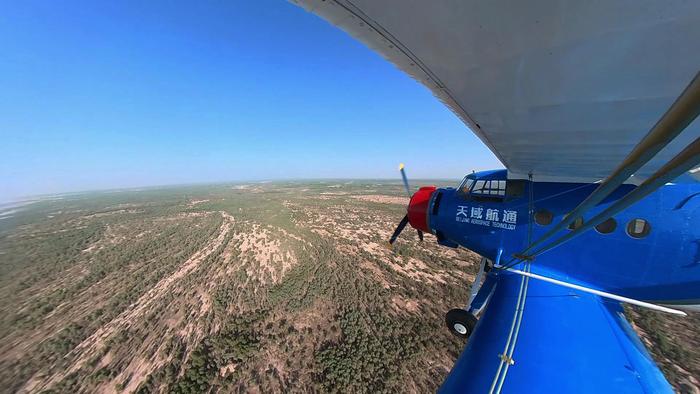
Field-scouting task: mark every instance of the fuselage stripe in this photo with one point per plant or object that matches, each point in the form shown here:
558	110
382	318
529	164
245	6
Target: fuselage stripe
521	311
518	311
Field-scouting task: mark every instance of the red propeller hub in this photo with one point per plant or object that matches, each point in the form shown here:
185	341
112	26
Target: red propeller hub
418	208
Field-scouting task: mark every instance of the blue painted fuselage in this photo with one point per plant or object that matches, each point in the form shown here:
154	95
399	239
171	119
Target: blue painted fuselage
534	336
661	264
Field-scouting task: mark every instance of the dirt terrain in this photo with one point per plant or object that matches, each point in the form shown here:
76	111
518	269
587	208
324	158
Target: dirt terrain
263	287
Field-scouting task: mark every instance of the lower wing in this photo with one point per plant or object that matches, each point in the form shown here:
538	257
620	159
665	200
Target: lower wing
538	337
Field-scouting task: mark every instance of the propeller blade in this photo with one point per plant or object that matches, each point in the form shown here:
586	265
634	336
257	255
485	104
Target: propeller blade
398	230
420	235
405	180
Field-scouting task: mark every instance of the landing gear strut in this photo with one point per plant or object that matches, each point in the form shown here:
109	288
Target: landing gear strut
460	322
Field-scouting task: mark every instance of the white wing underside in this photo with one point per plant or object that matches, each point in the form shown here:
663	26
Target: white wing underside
561	89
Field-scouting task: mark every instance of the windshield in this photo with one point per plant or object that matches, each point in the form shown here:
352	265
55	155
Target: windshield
466	185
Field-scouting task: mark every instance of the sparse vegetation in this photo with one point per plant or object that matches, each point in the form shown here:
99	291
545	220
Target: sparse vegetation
233	288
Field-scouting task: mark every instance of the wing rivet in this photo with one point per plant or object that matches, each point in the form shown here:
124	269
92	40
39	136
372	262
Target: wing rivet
506	359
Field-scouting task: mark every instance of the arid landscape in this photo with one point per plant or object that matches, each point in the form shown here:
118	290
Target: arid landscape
260	287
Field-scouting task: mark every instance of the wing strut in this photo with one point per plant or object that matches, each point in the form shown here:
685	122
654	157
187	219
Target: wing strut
683	111
684	161
596	292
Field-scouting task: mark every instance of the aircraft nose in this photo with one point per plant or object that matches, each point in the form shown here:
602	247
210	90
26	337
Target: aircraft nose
418	208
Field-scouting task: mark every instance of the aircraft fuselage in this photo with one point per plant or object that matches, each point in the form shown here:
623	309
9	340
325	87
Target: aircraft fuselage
650	251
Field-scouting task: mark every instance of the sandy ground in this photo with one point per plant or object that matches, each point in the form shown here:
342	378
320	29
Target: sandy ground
383	199
93	344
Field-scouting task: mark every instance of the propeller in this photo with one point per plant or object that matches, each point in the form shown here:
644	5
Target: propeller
398	230
405	180
403	221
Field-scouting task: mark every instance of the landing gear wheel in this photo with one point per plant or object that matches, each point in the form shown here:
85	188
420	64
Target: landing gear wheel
460	322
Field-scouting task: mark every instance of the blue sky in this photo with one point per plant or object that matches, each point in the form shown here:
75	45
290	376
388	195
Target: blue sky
101	95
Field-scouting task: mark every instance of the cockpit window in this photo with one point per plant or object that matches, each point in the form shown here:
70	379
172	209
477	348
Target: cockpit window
466	185
491	188
502	188
478	187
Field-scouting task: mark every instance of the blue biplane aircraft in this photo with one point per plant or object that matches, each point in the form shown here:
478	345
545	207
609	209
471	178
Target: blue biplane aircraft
590	106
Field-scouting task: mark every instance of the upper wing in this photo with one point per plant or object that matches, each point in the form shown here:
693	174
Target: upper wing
560	88
559	340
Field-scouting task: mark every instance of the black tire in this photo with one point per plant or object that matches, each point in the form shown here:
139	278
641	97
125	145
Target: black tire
460	322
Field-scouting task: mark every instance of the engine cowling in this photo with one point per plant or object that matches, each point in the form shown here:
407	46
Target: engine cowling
418	208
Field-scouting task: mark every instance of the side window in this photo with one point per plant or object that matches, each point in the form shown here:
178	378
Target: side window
543	217
607	226
638	228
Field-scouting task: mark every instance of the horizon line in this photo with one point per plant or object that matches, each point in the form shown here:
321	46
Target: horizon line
47	196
